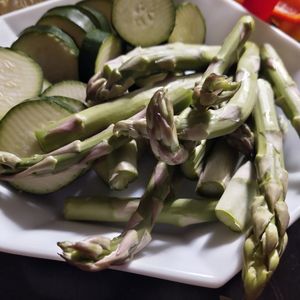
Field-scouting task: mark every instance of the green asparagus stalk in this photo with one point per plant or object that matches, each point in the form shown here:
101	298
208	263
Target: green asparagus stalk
74	155
151	80
233	206
119	168
269	214
161	130
196	125
117	77
242	139
218	170
180	212
192	166
199	125
92	120
286	91
215	90
225	58
97	252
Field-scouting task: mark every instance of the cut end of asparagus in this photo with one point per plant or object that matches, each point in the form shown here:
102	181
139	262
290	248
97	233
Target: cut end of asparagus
212	189
120	180
229	220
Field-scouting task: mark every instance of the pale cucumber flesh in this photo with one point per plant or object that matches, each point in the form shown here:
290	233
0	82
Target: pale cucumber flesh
110	49
53	50
189	25
20	78
143	22
17	136
68	88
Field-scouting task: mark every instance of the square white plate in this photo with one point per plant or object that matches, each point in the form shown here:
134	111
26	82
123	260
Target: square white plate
206	255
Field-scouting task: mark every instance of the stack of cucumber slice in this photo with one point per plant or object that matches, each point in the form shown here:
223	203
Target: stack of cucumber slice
71	43
63	43
82	37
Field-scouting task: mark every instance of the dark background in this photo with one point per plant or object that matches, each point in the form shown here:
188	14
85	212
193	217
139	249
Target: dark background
30	278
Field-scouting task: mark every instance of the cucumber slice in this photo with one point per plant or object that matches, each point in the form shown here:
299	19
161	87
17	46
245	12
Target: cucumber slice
69	19
143	22
45	184
98	18
46	84
190	25
53	49
68	88
102	6
70	104
20	78
88	53
17	136
110	49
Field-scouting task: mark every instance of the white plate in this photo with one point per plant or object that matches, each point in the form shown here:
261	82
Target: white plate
207	255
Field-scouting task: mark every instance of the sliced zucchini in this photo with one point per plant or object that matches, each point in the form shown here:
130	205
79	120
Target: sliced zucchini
46	84
20	78
143	22
190	25
53	49
70	104
69	19
110	49
45	184
88	53
98	18
102	6
17	136
68	88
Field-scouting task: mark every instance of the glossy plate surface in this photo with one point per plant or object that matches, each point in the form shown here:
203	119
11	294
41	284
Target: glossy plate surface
207	255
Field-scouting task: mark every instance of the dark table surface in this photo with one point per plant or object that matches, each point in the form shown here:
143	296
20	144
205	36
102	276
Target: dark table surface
30	278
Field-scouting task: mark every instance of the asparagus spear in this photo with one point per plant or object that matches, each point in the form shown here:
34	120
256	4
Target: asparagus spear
233	206
120	74
196	125
161	130
96	253
242	139
269	215
119	168
199	125
192	166
215	90
218	170
286	91
94	119
226	57
180	212
73	155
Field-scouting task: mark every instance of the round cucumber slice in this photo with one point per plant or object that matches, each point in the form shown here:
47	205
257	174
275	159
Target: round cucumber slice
45	184
17	136
98	18
190	25
68	88
20	78
53	49
70	104
71	20
110	49
143	22
88	53
46	84
102	6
